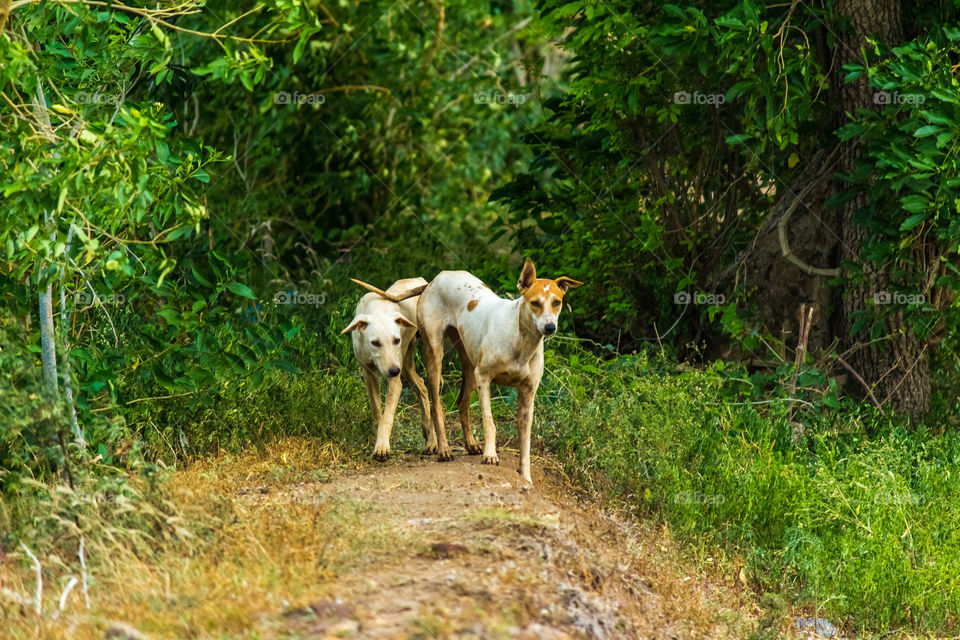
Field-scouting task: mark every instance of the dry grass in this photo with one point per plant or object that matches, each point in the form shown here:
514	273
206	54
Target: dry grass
237	538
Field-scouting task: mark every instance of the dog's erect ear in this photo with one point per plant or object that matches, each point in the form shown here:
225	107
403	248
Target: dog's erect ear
566	283
403	322
359	324
528	276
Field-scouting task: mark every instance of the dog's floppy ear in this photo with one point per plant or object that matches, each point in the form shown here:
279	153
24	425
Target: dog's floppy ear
566	283
359	323
403	322
527	276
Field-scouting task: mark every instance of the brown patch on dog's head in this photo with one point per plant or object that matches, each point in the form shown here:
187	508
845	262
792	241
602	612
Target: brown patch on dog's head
472	305
544	296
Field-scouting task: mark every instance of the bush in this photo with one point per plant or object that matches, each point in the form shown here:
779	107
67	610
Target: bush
859	526
31	422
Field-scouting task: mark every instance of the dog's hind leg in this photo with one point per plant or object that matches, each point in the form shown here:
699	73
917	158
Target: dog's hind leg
467	385
410	373
433	361
372	380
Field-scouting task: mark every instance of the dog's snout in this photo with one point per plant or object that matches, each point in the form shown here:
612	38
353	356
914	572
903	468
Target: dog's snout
394	372
549	328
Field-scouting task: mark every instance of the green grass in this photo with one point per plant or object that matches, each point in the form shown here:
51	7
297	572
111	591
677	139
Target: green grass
860	527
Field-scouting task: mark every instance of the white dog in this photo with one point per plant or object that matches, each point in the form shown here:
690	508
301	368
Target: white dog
384	340
499	341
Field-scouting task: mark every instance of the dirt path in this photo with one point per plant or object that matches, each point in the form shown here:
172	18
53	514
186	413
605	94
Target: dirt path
297	540
460	550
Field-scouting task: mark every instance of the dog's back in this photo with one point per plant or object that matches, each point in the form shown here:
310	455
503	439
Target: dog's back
452	293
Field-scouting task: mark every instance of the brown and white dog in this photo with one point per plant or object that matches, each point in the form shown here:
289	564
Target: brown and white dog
499	341
384	340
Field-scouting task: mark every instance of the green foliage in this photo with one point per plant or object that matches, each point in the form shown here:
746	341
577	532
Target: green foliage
911	173
31	420
199	222
621	179
842	520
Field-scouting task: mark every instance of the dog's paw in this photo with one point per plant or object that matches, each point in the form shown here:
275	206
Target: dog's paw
491	460
382	454
474	449
445	454
430	449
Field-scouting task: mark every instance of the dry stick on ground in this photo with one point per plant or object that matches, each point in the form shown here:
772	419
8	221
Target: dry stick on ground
39	570
64	596
83	573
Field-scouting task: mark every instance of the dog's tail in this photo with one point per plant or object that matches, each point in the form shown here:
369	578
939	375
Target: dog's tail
393	297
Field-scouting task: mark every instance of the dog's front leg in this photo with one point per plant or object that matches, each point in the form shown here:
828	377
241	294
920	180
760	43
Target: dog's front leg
372	380
525	395
489	426
410	373
381	450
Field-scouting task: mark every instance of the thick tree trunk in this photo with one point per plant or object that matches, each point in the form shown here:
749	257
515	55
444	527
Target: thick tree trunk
897	366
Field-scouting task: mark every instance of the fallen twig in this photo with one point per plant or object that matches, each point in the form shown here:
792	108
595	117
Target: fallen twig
36	564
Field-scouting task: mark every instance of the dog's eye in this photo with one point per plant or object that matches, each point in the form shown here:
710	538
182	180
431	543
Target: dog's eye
375	343
396	341
556	303
535	304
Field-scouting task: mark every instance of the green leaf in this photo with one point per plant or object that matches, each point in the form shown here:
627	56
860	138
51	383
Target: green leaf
62	199
914	203
241	290
199	278
163	151
738	138
289	367
912	221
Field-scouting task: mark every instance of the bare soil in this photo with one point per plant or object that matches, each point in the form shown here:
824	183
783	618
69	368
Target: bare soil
466	552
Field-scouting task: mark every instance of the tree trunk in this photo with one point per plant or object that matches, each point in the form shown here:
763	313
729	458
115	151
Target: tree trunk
897	366
47	341
75	429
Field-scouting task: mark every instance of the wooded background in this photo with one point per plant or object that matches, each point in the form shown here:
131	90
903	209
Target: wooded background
764	192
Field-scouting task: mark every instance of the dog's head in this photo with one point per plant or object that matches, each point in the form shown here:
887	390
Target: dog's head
543	298
380	338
